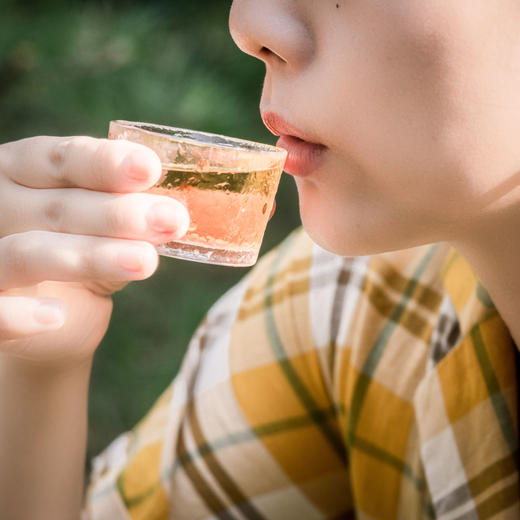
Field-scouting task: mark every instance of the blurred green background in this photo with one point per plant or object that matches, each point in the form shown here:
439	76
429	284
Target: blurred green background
68	68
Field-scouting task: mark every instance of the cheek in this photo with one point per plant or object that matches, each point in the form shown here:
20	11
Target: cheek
384	96
406	99
397	96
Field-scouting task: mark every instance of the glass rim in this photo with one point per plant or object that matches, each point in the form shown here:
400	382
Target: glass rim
215	140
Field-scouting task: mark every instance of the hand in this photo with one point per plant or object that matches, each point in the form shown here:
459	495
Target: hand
73	229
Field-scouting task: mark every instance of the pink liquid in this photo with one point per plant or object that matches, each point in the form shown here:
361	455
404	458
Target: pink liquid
228	210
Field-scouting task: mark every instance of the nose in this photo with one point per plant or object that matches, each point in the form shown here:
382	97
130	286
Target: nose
272	31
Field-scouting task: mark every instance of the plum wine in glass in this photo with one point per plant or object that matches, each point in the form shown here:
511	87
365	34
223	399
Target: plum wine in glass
227	185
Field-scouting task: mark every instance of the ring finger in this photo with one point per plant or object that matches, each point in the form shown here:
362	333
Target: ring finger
27	259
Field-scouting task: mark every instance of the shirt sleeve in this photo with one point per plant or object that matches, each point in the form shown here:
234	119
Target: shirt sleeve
249	427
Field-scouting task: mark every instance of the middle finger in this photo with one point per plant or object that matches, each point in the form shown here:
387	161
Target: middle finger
138	216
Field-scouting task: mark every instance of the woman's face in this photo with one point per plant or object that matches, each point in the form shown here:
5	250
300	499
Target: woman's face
416	101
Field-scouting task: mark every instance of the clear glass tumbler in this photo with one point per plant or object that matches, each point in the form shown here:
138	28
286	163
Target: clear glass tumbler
228	186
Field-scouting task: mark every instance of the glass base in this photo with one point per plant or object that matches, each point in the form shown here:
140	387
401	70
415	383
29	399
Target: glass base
208	255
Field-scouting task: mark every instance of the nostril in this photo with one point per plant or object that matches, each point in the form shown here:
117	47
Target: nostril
266	54
275	35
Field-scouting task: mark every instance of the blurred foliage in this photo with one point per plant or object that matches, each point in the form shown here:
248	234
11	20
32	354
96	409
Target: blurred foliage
67	68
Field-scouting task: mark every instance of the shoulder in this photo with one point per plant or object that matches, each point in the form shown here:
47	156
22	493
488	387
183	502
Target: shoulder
308	298
298	258
303	280
305	298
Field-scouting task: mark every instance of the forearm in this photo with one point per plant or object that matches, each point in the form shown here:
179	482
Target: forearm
42	440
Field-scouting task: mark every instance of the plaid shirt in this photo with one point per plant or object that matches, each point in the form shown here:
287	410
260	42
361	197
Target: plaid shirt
381	387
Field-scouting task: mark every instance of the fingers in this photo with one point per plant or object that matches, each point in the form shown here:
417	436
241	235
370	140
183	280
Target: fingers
137	216
96	164
35	256
20	317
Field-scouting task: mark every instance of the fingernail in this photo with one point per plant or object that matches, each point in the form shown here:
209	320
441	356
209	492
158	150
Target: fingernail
143	165
131	259
50	314
162	217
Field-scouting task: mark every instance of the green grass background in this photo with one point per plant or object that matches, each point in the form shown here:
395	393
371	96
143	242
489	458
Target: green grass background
68	68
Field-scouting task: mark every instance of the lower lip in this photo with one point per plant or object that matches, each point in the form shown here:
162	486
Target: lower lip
302	157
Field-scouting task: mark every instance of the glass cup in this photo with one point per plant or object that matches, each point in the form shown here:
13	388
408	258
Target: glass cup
227	185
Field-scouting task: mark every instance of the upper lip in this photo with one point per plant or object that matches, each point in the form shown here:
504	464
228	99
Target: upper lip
279	126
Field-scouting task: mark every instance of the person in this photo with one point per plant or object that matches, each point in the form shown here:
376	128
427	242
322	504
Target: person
367	367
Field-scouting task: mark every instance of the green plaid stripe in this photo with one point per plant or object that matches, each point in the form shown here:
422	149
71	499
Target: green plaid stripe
377	350
304	395
224	479
497	398
249	435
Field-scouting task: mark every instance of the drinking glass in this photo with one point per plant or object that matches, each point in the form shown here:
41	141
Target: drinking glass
227	185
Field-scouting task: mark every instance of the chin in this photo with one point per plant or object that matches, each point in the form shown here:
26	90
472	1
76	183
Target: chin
350	228
339	234
340	245
358	238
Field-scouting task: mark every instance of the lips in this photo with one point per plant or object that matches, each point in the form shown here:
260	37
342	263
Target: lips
304	154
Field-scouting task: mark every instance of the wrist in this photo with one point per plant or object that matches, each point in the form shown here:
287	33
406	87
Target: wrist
44	410
42	371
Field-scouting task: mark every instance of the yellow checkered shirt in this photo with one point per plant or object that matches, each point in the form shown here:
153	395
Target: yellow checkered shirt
377	387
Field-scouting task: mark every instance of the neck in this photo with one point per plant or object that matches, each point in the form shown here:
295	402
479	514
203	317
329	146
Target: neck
492	247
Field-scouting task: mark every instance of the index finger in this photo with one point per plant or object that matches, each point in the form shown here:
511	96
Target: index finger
84	162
